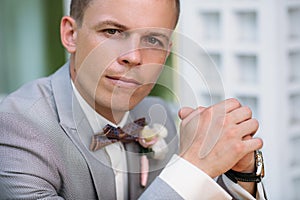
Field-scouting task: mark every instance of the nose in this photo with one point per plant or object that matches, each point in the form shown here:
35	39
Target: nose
132	56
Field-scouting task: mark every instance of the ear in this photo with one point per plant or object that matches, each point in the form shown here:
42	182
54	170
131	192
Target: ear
68	33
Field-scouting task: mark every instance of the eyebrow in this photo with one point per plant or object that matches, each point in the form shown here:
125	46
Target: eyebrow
110	23
157	34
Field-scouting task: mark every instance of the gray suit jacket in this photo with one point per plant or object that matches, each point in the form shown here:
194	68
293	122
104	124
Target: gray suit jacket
44	140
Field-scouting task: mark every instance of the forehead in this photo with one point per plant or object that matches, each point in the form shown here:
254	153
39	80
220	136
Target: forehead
133	13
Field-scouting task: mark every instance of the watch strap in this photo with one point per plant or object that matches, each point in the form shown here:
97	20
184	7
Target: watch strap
243	177
249	177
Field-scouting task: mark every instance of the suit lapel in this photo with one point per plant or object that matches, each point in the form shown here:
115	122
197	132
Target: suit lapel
76	126
99	162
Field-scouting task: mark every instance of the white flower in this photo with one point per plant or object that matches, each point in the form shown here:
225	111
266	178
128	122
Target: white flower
153	137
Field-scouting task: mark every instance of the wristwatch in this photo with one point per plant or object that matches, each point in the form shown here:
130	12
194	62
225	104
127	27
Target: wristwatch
249	177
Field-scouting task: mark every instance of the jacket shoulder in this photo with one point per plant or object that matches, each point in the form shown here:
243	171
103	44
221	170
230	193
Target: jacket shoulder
28	95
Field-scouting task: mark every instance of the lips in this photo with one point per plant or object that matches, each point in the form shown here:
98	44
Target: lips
124	81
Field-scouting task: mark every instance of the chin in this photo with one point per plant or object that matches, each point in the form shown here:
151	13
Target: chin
125	103
122	100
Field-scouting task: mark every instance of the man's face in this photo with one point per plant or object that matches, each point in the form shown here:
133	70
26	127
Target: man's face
120	50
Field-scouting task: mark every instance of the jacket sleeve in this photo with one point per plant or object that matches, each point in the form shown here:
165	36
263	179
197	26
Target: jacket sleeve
182	180
27	169
160	190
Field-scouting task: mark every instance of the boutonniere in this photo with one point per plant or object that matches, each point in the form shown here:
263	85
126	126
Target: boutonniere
152	144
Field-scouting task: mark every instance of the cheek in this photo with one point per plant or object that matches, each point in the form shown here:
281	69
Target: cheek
150	76
92	50
84	46
88	74
92	61
151	73
153	64
139	95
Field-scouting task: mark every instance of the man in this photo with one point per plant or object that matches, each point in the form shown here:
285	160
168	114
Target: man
117	52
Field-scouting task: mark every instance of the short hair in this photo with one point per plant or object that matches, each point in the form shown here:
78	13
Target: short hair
78	7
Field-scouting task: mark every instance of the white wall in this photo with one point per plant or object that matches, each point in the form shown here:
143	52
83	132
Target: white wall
256	47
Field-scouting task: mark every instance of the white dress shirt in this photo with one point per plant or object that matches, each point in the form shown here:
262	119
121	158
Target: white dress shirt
186	179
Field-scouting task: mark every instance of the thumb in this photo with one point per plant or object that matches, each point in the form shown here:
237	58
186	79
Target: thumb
186	111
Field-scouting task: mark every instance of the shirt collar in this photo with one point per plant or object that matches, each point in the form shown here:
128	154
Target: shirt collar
96	121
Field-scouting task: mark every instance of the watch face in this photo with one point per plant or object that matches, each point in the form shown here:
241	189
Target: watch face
260	171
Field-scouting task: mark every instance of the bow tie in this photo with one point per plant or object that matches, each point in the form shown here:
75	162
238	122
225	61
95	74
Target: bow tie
129	133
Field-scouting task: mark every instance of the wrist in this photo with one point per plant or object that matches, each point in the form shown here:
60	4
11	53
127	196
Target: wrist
250	169
201	165
255	176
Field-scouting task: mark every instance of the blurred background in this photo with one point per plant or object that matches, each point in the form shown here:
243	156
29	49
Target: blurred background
254	49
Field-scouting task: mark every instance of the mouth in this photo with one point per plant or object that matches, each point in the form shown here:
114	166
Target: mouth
121	81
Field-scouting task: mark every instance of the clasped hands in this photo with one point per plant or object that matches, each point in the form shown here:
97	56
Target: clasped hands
219	138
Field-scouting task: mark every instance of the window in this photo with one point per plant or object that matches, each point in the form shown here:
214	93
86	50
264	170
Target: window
251	102
294	16
247	68
294	58
247	26
294	109
295	142
211	26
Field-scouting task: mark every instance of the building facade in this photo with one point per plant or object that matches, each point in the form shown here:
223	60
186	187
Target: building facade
254	49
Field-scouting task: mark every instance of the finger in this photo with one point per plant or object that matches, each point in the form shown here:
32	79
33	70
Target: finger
188	113
248	127
227	105
240	114
253	144
247	137
184	112
231	104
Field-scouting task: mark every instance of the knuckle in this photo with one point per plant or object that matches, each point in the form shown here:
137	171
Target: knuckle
228	119
207	113
231	133
183	124
234	102
220	121
248	110
260	143
209	109
255	123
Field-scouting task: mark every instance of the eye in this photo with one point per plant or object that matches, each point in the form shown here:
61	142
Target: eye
112	32
153	40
